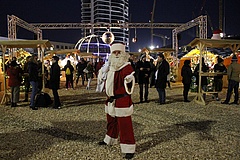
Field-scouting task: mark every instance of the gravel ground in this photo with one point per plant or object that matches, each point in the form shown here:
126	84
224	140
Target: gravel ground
176	130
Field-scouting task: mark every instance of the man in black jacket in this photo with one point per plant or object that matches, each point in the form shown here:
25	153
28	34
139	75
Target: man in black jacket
143	77
161	77
80	67
33	79
186	74
55	81
26	78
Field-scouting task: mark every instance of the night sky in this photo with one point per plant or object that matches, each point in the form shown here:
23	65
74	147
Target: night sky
169	11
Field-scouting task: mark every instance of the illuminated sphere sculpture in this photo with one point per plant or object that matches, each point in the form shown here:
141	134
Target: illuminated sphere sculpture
108	37
93	44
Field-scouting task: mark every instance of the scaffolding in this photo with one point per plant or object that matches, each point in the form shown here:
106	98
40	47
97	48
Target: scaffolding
200	21
37	28
13	21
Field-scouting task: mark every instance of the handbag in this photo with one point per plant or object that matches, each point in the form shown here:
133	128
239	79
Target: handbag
85	70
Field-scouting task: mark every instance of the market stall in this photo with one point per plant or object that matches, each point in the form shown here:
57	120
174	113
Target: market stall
193	56
202	44
40	44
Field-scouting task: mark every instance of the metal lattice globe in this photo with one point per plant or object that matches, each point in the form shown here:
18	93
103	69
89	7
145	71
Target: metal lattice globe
108	37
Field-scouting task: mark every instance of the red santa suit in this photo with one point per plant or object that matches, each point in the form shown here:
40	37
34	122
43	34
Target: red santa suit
119	107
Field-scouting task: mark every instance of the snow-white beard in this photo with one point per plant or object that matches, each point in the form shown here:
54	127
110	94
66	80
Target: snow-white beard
116	62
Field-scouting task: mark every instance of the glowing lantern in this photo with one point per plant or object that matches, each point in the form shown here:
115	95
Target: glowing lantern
108	37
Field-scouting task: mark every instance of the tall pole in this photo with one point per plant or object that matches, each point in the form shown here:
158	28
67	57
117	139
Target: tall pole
152	20
221	15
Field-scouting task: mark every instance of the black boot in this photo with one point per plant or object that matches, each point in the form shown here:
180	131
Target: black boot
13	104
102	143
129	155
34	107
26	98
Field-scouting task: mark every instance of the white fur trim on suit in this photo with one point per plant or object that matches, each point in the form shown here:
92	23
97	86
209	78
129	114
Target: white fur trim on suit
117	47
110	109
128	79
102	75
128	148
110	80
118	112
110	83
110	141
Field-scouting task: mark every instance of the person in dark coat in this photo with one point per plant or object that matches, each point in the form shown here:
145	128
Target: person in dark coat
15	78
80	67
186	74
89	75
98	66
143	77
233	72
152	74
26	78
69	77
204	82
161	77
218	82
54	81
33	79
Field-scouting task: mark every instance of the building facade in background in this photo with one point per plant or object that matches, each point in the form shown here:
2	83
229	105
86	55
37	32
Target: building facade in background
106	11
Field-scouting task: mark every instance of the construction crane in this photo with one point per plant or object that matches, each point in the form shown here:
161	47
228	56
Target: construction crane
221	15
152	20
164	38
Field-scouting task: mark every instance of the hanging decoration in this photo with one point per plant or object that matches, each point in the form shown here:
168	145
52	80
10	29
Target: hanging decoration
108	37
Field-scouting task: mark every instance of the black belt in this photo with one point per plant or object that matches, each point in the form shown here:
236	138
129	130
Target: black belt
111	98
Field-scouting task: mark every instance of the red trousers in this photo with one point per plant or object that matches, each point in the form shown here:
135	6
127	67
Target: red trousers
121	126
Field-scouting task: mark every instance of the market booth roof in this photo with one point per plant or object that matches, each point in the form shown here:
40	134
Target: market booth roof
234	45
158	50
62	51
196	52
25	43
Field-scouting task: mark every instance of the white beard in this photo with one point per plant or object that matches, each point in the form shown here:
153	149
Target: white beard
116	62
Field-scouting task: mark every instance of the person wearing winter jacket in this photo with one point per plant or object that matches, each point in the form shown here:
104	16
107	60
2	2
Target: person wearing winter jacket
68	68
161	77
33	79
15	78
186	74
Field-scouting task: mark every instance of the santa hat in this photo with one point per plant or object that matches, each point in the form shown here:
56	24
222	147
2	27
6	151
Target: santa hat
216	34
117	47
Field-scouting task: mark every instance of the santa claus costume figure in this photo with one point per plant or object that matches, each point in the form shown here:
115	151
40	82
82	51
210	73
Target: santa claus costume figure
117	76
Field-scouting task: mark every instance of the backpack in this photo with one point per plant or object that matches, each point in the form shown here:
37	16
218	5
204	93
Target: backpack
43	100
68	72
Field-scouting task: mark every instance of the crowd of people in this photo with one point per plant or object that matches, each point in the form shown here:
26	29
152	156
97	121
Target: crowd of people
233	76
30	76
147	74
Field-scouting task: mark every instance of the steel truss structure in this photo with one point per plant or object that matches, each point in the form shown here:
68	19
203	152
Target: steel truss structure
105	25
200	21
37	28
13	21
